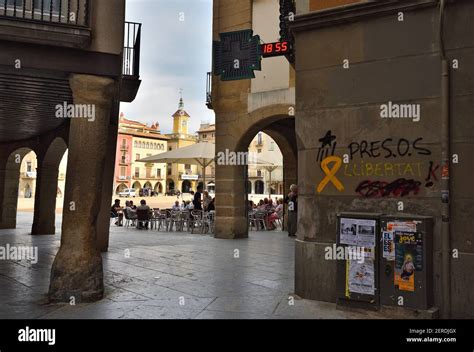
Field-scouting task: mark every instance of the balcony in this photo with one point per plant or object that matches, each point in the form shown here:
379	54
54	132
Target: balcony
131	62
209	90
60	22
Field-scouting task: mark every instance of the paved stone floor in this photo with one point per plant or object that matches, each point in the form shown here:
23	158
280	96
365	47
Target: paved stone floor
157	275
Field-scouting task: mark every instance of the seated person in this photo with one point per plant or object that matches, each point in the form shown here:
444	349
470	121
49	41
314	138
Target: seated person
176	206
189	206
134	207
116	212
130	212
143	215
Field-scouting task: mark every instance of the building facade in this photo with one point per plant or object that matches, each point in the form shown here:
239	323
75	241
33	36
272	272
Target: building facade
137	141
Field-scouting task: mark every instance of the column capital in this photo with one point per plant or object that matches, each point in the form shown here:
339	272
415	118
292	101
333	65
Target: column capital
92	89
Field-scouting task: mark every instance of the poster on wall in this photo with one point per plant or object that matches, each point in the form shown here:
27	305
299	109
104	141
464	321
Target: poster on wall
388	245
361	277
348	233
357	232
408	259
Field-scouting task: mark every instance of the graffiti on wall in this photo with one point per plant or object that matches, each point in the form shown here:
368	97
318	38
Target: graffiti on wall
371	160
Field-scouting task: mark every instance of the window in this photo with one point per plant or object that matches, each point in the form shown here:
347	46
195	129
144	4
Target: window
137	172
135	144
259	173
122	171
169	169
259	138
170	149
187	169
148	172
204	136
47	5
137	157
28	166
158	173
259	150
124	142
272	146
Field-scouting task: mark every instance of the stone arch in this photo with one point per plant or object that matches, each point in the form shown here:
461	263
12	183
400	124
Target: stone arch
259	187
278	123
186	186
137	186
158	188
9	181
120	188
47	188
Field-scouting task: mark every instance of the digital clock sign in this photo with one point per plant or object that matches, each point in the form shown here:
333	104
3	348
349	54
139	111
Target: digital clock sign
275	49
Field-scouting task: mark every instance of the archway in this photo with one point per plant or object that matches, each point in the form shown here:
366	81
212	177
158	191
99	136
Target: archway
232	180
259	187
171	185
120	188
158	188
10	183
186	187
137	186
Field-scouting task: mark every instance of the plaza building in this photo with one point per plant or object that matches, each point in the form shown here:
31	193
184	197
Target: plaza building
181	177
137	141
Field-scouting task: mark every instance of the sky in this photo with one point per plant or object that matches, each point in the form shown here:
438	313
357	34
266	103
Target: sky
174	55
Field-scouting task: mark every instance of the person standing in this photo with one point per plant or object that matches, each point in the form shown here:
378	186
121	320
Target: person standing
197	198
292	201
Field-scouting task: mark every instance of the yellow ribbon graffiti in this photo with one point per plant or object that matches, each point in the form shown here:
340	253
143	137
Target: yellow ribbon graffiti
331	173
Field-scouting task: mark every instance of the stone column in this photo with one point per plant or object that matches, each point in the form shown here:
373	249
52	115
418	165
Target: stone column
231	217
45	199
77	269
103	226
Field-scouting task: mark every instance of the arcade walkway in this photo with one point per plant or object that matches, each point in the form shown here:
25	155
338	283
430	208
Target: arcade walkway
167	276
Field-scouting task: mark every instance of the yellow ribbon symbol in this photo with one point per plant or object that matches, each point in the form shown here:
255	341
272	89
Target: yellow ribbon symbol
331	173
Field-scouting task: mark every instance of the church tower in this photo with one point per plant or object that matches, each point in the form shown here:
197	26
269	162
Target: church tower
180	119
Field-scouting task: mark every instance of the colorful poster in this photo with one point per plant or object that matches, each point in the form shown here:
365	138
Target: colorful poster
409	226
388	245
358	232
408	259
361	277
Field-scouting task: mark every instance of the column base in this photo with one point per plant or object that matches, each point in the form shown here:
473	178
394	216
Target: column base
39	230
315	277
231	228
76	275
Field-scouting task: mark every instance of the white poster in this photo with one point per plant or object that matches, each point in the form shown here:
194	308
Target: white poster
358	232
348	232
361	277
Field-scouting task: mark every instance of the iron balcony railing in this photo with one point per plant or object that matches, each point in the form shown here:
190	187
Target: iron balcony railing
68	12
209	90
131	52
